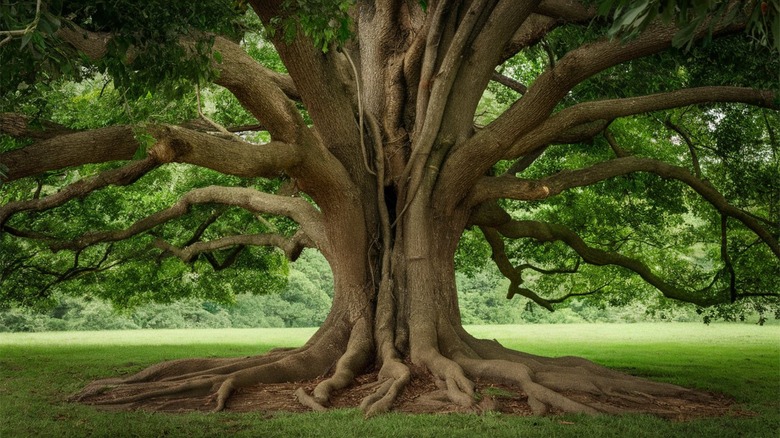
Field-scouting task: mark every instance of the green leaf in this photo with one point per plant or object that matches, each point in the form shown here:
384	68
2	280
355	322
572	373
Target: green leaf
685	35
218	57
26	39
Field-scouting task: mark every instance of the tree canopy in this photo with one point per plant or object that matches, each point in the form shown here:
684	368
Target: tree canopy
598	150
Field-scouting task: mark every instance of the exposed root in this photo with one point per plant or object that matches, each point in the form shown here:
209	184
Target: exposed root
394	376
308	401
350	364
473	377
187	383
540	398
459	388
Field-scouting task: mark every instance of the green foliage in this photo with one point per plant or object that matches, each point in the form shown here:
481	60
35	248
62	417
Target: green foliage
630	17
156	45
325	22
169	297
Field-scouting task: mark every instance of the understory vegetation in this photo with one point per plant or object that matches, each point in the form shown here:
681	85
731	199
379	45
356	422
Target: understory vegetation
305	299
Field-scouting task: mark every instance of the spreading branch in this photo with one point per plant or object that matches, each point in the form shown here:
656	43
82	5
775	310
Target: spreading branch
122	176
579	122
22	126
292	246
470	161
114	143
508	186
545	232
265	93
249	199
175	144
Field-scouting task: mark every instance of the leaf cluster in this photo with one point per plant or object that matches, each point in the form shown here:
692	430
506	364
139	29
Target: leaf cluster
325	22
630	17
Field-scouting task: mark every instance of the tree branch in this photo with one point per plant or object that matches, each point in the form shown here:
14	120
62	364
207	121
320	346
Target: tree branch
21	126
125	175
262	91
175	144
577	120
249	199
525	189
473	158
292	246
513	274
102	145
509	83
545	232
549	15
689	142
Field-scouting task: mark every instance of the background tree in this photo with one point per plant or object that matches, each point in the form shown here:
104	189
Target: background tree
621	143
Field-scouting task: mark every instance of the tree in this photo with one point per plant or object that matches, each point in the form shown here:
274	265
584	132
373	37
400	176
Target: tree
374	154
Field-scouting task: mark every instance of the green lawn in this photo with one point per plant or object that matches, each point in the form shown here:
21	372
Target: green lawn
38	371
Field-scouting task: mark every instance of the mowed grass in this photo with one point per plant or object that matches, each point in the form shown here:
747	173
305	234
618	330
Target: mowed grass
39	371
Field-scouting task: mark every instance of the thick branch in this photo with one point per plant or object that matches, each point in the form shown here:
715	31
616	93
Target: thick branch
322	82
175	144
549	15
479	63
262	91
252	200
97	146
292	246
231	157
579	117
523	189
21	126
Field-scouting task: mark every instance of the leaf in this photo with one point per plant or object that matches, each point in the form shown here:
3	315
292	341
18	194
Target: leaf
218	57
26	39
685	35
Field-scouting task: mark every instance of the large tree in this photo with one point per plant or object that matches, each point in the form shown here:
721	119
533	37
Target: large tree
384	158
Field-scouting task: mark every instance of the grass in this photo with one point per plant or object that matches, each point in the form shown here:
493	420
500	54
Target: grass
38	371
